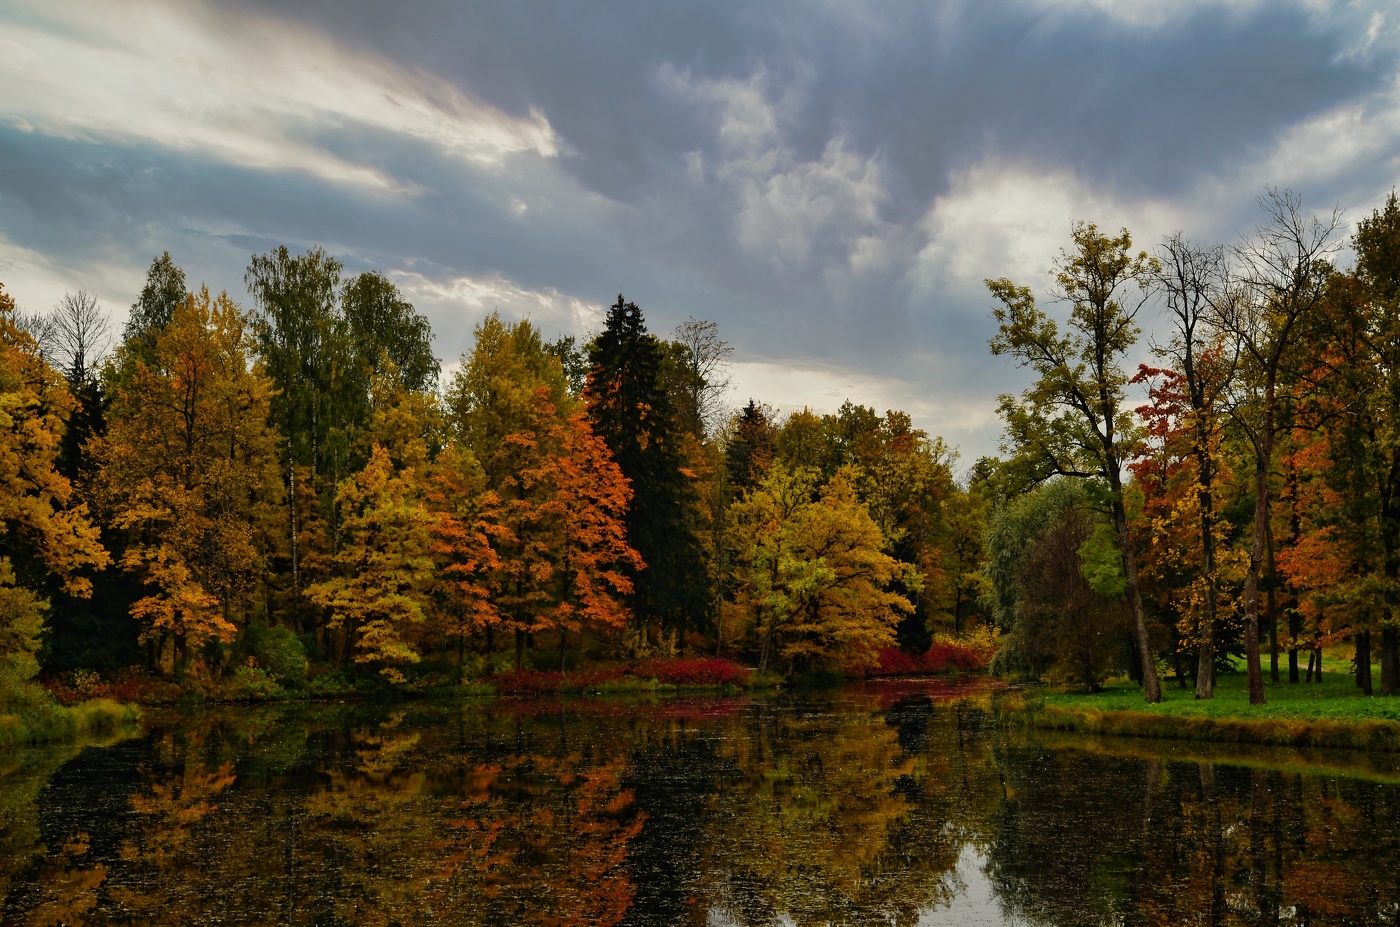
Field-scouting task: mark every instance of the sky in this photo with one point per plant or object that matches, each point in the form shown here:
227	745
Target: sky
830	183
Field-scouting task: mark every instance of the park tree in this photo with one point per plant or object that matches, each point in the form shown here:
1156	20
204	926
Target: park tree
45	531
1274	307
383	328
1070	625
503	405
187	473
631	411
1190	578
593	561
702	379
1192	282
303	350
377	595
463	558
1074	419
812	580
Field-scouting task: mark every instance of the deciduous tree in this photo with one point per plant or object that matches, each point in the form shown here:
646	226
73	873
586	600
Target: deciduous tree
1074	419
187	471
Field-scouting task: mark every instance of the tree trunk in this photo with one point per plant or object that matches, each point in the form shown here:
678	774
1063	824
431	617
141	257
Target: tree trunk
1312	658
563	649
1151	687
1390	661
1251	577
1271	601
519	650
461	657
1205	668
1363	661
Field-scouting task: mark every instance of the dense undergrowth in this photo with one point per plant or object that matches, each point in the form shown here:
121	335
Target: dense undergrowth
32	715
254	681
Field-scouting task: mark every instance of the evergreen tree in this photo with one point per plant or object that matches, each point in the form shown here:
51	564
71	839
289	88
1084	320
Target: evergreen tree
631	411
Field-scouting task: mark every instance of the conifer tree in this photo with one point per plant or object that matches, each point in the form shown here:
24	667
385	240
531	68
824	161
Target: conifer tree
629	409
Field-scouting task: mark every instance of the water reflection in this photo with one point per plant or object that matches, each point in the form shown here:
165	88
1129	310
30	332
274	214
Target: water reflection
882	806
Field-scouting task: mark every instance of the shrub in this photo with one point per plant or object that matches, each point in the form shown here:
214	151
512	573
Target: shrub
527	681
895	662
330	684
708	671
280	652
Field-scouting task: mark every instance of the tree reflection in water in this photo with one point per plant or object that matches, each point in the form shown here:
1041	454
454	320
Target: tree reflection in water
864	807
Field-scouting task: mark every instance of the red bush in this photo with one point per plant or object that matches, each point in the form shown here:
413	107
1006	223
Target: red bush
527	681
894	662
709	671
943	656
126	688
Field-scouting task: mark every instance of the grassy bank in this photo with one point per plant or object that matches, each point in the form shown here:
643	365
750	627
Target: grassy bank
1331	714
47	720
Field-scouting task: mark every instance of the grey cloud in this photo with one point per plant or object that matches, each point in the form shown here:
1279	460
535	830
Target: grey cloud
647	197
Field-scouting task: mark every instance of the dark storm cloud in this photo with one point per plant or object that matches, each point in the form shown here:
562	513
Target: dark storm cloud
788	170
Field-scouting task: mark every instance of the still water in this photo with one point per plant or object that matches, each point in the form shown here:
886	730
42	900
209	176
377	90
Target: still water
895	804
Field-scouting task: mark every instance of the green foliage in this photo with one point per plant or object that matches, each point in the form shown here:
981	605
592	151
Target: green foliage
280	652
1101	562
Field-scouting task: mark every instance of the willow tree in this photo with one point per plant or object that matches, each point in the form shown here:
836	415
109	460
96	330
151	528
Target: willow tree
1074	419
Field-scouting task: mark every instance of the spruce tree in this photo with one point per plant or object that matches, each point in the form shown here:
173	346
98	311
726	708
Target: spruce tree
630	409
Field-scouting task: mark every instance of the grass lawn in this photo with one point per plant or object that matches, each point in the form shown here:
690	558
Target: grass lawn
1335	699
1331	714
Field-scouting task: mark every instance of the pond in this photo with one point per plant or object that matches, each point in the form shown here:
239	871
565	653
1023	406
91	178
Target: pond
893	804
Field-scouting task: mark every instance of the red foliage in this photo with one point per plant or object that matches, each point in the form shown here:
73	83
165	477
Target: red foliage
710	671
527	681
943	656
126	688
951	655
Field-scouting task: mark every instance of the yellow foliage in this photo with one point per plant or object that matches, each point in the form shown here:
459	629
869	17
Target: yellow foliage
384	566
188	470
38	514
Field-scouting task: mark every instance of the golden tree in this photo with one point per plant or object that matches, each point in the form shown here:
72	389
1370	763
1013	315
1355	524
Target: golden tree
812	577
43	529
188	470
383	568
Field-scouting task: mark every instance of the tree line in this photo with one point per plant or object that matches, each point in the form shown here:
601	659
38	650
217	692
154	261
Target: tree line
220	483
1251	504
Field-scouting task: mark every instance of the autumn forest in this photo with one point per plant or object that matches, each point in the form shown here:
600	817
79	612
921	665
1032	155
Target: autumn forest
286	488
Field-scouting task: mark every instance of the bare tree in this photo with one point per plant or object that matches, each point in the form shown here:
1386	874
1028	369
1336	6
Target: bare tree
1283	276
81	335
41	328
708	377
1193	281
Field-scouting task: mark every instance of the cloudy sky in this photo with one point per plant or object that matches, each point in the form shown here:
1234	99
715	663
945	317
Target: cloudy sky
829	182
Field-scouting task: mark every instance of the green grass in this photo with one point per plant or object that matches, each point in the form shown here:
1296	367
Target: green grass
1332	714
50	721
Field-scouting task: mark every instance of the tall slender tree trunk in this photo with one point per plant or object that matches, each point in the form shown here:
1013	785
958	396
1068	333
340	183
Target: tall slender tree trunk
1205	647
1271	599
1363	661
1390	661
1151	686
1263	454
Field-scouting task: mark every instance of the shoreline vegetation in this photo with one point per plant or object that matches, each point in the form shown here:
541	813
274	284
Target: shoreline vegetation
46	720
251	683
1330	714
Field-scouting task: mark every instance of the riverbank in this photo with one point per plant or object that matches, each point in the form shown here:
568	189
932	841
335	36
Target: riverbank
45	720
1330	714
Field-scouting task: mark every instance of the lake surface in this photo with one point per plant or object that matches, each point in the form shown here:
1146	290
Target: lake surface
894	804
